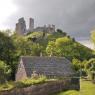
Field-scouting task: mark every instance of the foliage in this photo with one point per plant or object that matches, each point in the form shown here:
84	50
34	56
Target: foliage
90	68
7	50
23	83
93	36
68	48
53	44
4	72
63	41
26	47
35	34
84	52
6	86
30	81
54	36
90	64
86	67
50	50
60	31
58	47
76	64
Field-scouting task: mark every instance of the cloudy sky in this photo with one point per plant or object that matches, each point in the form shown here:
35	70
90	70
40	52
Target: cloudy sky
77	17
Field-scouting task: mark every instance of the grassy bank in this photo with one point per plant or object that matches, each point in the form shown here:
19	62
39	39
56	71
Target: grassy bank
86	88
70	92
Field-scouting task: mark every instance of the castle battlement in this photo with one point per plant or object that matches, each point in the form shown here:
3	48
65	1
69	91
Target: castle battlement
21	27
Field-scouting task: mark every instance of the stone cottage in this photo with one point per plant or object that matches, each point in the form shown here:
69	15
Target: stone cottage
48	66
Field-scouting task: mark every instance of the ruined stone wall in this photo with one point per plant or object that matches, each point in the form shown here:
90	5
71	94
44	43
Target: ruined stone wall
21	26
49	88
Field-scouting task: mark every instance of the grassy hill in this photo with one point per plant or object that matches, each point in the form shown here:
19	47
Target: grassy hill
41	44
78	50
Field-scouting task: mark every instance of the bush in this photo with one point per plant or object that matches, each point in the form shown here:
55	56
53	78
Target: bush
30	81
23	83
7	86
4	72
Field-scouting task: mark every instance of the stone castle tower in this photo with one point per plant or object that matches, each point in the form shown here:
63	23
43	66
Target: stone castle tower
21	26
31	24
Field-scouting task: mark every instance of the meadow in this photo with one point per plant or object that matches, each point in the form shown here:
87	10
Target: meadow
86	88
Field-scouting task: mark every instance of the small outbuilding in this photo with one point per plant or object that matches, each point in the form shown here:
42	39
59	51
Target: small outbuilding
48	66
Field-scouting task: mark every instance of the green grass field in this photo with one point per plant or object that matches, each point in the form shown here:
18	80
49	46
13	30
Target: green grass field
86	88
71	92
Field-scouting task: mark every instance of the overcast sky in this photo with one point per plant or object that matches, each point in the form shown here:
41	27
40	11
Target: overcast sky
77	17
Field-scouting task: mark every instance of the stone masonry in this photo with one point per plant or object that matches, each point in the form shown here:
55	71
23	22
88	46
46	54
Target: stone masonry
21	26
22	30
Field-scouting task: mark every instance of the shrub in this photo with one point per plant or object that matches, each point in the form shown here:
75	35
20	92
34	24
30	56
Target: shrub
30	81
4	72
7	86
23	83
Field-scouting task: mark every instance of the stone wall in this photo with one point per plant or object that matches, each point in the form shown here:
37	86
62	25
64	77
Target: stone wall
43	89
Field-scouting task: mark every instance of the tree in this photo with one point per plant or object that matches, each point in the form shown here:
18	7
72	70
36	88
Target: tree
25	46
51	48
63	41
76	64
5	72
36	49
7	50
65	47
6	47
60	31
93	36
90	64
90	67
61	47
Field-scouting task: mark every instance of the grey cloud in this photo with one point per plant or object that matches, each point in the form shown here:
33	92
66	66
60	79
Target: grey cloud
77	17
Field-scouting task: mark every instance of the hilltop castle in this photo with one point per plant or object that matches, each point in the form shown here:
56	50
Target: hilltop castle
22	30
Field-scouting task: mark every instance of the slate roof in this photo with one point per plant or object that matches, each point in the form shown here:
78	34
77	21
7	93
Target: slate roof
54	66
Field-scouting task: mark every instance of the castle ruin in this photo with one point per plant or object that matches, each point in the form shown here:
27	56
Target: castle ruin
31	24
22	30
21	26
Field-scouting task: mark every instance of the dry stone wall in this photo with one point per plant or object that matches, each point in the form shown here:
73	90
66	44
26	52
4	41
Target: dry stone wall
43	89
